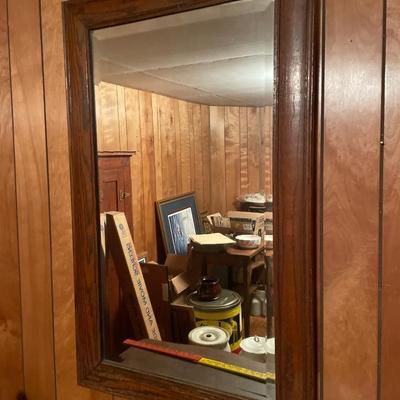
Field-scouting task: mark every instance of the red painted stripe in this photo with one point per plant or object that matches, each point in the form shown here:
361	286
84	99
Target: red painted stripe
184	355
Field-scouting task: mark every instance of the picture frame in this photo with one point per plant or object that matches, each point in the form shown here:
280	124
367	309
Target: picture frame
179	219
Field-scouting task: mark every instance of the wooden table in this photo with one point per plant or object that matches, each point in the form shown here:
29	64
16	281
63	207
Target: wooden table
233	257
269	288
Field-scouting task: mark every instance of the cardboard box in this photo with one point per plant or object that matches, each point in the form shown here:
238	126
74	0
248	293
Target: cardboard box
130	275
249	222
182	275
180	278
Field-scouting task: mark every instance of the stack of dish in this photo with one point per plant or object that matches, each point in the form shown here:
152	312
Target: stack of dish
248	241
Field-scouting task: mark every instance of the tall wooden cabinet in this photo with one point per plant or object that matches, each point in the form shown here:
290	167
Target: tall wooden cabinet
115	184
115	187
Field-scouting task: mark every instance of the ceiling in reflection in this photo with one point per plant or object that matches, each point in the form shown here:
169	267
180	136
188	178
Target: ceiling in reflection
219	55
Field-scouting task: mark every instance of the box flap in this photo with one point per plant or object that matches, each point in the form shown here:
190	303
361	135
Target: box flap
181	282
246	214
211	239
176	263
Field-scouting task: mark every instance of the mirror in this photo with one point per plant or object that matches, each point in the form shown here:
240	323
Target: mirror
183	108
142	372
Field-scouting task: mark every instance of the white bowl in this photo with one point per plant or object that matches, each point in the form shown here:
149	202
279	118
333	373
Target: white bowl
248	241
270	346
253	348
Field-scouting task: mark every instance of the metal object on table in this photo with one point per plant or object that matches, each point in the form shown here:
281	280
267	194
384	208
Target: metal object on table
224	312
210	336
258	305
209	289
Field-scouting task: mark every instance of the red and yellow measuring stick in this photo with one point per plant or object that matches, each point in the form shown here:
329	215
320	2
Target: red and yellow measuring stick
196	358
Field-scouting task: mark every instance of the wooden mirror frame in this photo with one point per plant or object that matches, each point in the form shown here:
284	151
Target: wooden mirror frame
297	33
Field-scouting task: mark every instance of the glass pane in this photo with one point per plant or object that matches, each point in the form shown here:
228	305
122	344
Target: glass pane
184	139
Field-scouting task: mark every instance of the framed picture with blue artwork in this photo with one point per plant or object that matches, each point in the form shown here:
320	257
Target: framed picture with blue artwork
179	219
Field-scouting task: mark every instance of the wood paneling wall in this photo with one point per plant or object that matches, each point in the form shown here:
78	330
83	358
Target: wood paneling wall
218	152
32	197
351	199
390	359
11	358
37	311
360	211
360	280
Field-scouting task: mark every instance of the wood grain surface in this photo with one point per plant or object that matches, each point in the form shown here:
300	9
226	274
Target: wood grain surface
149	175
217	134
266	121
296	356
294	206
206	156
45	378
185	147
60	212
32	198
244	174
198	155
390	362
353	39
11	359
180	133
254	148
232	156
157	148
353	55
60	208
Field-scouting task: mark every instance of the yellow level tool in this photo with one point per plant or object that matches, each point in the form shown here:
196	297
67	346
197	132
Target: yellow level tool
262	376
196	358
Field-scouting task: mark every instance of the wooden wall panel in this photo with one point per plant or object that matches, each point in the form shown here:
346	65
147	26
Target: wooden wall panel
198	155
131	105
206	159
50	369
60	210
107	117
98	108
217	135
350	213
391	208
178	151
133	137
123	140
185	148
32	198
11	365
192	148
166	121
254	148
351	198
232	156
266	126
244	172
157	148
149	173
182	147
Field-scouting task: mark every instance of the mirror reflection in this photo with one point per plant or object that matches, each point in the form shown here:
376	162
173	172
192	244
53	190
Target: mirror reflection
184	137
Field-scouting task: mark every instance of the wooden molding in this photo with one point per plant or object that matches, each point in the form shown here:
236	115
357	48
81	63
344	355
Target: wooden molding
296	63
116	153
